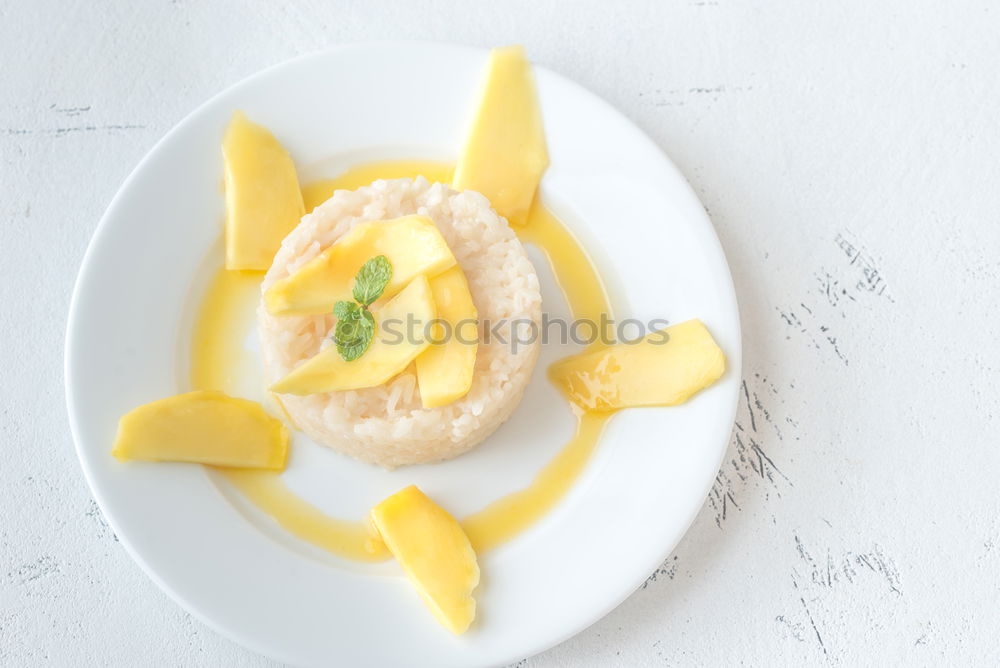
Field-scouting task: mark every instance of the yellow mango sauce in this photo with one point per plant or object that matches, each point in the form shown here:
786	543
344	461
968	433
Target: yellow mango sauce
228	309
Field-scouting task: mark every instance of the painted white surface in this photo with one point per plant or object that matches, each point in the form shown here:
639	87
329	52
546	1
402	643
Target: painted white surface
846	153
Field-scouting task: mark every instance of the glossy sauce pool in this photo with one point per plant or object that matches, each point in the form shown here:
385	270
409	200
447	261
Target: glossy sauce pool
227	312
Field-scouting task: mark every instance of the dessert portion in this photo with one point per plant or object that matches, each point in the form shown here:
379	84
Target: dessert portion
471	388
386	320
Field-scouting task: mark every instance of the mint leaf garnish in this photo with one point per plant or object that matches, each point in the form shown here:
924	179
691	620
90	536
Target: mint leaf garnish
345	309
354	332
355	327
353	337
371	280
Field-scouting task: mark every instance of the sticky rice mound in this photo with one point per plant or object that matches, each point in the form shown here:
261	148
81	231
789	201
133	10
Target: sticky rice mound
387	425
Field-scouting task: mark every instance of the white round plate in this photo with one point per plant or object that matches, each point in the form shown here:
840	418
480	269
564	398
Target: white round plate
127	344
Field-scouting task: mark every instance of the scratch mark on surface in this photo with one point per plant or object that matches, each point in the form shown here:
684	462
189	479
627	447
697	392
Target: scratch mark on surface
69	111
793	627
871	277
746	395
851	276
748	459
667	569
760	453
829	572
103	528
63	131
36	570
812	622
678	97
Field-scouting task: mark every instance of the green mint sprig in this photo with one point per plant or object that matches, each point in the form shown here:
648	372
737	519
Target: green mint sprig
355	324
371	280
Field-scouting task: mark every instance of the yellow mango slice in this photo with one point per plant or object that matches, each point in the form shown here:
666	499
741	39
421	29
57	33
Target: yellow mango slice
412	244
434	552
390	352
444	370
263	198
505	155
665	368
206	427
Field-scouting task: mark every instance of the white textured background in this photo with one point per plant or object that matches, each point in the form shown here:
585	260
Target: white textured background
849	156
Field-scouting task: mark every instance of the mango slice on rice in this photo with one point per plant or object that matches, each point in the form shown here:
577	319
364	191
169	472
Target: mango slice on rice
400	335
412	244
445	369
